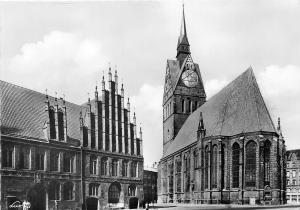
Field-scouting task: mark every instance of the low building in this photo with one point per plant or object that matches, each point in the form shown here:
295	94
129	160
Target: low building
60	155
293	176
150	185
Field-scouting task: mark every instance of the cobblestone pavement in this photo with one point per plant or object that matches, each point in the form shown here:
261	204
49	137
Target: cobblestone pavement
222	207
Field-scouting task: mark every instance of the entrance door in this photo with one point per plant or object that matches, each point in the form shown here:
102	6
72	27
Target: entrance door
91	203
114	193
37	197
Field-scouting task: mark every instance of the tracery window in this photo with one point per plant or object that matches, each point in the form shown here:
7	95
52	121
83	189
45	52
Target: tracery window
52	123
60	120
93	189
93	165
214	172
206	159
196	159
131	190
54	190
178	175
187	173
68	191
250	166
267	162
235	165
170	177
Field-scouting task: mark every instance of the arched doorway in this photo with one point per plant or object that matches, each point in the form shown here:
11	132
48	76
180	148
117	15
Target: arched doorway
37	197
114	192
91	203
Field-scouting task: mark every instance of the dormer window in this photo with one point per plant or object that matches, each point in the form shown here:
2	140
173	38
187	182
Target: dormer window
60	120
52	123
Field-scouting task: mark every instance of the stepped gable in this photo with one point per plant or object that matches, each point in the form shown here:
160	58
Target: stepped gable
23	113
237	108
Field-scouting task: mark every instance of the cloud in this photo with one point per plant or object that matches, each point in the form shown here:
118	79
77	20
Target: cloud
214	85
280	87
148	106
59	62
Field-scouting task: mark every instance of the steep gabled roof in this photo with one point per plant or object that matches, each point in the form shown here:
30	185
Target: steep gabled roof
23	113
237	108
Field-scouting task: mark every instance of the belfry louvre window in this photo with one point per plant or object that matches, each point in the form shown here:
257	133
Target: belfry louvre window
267	151
214	174
68	191
182	106
235	165
7	156
52	123
54	190
60	121
250	167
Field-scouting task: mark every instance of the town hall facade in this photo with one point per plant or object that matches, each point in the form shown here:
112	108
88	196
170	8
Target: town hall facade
222	150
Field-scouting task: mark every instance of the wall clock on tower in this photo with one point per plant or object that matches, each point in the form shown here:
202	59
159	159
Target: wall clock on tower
189	76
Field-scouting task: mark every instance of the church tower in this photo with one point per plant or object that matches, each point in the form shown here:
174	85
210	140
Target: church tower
183	90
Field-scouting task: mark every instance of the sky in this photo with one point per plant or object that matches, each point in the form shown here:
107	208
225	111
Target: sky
66	46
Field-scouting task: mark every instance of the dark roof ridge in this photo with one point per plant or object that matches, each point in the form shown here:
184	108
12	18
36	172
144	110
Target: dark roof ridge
35	91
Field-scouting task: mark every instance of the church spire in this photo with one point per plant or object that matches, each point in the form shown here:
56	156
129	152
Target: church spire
183	46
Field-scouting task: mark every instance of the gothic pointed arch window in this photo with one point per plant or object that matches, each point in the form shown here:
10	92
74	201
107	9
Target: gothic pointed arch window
68	191
104	166
60	121
52	123
214	173
206	162
93	189
235	165
54	190
267	151
93	165
250	166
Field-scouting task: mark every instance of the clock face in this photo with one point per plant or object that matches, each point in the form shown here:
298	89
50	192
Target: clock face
189	78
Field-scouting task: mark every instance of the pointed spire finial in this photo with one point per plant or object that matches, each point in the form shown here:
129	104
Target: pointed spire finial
183	46
279	127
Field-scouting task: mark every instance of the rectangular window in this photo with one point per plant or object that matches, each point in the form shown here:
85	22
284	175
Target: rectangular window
24	161
125	169
54	161
93	165
68	163
40	161
7	156
294	173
